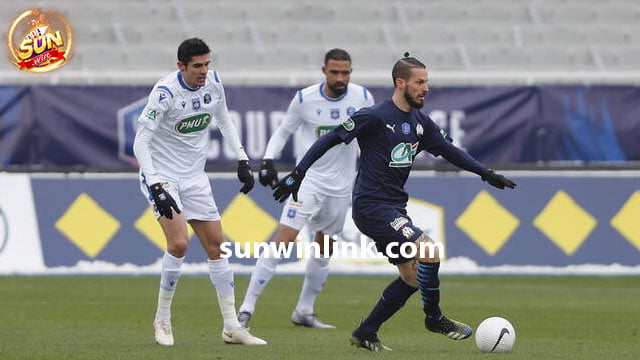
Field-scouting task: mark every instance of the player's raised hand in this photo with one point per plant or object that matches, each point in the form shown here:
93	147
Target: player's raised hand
289	185
268	175
245	175
497	180
163	200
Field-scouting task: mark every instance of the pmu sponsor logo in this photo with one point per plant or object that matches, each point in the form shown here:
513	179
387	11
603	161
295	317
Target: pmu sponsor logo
398	222
323	130
193	123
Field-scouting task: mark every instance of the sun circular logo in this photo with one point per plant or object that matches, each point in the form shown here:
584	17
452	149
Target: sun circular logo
40	41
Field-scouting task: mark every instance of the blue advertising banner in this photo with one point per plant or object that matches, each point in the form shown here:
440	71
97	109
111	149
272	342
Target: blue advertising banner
547	220
94	126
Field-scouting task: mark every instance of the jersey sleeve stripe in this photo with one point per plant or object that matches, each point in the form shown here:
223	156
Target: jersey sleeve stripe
300	96
215	76
165	89
366	93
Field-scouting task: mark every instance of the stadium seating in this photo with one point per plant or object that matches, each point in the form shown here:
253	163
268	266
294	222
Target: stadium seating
567	35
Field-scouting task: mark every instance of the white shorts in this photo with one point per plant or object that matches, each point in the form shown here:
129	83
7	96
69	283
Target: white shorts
193	196
321	213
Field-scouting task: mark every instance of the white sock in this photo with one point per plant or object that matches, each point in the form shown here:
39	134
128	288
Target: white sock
260	277
169	276
314	279
221	277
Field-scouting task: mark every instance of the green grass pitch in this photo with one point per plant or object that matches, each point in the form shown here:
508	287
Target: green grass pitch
99	317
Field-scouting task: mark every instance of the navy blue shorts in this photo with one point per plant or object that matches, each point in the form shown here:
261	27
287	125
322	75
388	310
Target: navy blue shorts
387	225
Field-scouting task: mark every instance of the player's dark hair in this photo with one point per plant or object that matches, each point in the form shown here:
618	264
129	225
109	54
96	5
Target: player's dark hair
402	68
190	48
336	54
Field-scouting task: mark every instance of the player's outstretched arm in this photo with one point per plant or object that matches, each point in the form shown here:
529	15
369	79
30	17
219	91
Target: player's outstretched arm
462	159
290	184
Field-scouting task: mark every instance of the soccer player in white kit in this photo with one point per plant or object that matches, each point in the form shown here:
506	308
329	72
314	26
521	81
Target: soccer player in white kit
170	145
325	195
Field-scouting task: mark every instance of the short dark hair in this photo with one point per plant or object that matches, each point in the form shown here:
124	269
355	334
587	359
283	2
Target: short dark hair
190	48
336	54
402	68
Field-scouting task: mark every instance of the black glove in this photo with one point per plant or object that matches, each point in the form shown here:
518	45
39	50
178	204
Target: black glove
245	176
163	200
497	180
268	174
289	185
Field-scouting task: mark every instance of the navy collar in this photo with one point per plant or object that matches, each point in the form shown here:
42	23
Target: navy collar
329	98
184	84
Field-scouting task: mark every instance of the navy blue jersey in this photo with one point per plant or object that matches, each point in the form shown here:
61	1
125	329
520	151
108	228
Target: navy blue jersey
389	140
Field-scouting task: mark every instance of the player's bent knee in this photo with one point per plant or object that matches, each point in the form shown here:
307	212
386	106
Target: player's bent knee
177	248
213	251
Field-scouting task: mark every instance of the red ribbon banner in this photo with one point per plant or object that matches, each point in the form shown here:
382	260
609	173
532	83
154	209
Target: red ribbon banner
51	55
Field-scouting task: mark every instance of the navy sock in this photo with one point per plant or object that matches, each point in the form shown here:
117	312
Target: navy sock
393	299
430	289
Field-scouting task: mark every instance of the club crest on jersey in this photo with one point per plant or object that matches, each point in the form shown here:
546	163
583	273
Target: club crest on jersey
419	130
335	114
402	154
193	123
207	98
351	110
195	103
406	128
398	222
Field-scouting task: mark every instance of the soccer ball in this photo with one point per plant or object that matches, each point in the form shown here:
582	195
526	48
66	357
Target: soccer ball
496	335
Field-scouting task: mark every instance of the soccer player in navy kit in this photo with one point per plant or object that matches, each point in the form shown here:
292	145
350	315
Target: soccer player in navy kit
390	135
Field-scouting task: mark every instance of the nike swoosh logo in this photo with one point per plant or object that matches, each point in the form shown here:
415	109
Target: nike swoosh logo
502	333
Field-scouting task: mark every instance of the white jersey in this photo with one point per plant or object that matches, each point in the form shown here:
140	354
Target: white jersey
312	114
173	129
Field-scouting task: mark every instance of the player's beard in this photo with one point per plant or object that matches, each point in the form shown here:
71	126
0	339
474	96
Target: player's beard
414	104
337	91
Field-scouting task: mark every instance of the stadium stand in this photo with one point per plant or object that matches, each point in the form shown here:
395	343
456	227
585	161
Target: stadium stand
139	36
